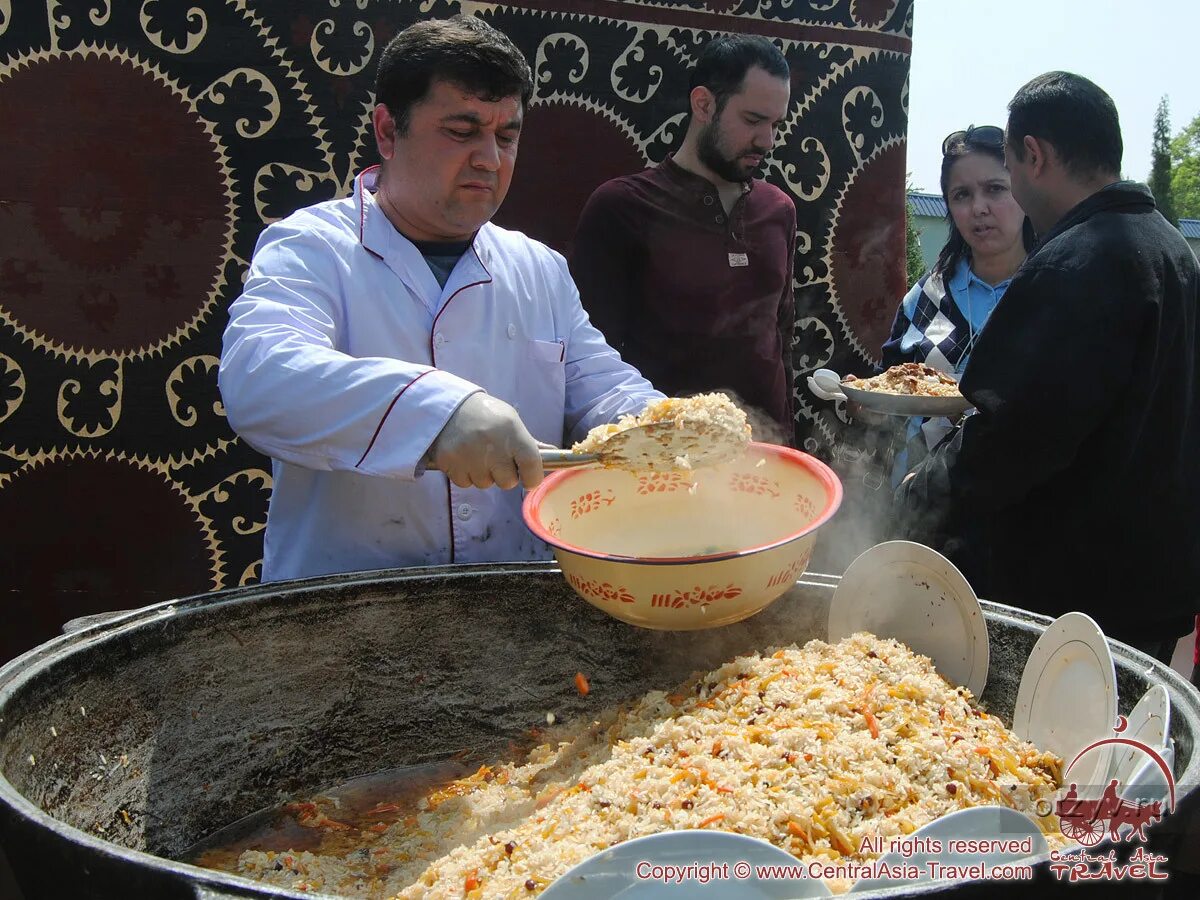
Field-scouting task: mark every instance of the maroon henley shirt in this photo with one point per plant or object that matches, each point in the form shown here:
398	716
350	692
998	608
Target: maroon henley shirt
695	299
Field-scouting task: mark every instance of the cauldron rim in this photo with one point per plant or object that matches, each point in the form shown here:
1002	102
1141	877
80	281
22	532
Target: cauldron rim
16	673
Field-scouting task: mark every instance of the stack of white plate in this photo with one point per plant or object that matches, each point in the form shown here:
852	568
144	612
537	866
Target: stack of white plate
1067	703
1139	776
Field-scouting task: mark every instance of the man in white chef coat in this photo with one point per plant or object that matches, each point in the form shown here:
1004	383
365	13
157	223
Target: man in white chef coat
393	336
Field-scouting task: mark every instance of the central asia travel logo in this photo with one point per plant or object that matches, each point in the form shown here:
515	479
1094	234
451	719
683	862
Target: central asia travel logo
1086	819
1119	812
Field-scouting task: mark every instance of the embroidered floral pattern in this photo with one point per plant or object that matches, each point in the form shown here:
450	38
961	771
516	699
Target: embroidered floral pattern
114	282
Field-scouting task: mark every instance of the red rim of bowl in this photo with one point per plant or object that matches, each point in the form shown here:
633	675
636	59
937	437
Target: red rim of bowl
531	511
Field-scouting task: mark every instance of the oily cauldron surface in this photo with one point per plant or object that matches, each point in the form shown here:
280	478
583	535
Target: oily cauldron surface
125	743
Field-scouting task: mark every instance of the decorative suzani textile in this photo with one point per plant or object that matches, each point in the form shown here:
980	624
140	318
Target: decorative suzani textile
195	125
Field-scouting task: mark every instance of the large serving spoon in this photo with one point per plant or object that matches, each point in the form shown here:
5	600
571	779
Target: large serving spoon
658	447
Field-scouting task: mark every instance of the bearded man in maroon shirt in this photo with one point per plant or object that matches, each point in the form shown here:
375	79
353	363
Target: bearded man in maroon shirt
687	266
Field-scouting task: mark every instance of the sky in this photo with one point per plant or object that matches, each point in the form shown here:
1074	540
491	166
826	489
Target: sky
971	56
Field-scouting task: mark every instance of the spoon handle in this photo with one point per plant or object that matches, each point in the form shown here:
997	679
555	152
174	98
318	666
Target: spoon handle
565	459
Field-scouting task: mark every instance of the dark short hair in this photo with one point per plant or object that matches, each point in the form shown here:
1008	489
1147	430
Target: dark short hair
956	247
1073	115
725	60
463	50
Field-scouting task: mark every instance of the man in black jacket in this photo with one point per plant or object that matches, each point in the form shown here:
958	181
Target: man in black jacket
1076	486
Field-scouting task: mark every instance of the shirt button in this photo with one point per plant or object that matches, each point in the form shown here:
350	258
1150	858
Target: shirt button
720	219
464	511
439	339
512	331
708	200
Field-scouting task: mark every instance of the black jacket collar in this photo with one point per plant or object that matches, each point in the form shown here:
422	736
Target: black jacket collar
1119	194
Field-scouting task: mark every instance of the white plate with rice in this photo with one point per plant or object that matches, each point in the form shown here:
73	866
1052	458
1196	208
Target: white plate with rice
829	385
907	591
907	404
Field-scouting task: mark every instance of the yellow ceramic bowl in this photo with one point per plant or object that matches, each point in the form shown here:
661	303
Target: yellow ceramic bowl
652	551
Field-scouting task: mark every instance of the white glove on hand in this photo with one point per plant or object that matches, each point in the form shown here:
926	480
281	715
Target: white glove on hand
485	443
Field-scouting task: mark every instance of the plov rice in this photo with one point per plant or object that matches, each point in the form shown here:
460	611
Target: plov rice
910	378
813	748
712	421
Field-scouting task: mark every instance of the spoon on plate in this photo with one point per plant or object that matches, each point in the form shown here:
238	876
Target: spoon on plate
826	384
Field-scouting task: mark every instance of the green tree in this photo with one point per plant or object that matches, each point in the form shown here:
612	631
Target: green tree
1160	167
914	263
1185	172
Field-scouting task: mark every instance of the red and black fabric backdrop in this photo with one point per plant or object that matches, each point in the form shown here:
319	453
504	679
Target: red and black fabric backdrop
145	143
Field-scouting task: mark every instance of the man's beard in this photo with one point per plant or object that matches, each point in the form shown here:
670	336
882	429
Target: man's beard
708	149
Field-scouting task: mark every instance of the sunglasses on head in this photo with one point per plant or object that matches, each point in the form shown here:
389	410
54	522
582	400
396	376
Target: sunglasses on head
981	134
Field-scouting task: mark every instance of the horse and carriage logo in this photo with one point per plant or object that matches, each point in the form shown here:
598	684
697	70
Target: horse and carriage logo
1088	819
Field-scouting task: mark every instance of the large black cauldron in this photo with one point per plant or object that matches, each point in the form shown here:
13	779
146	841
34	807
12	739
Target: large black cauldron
124	743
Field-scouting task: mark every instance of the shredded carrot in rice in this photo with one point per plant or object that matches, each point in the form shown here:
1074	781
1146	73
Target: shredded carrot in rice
811	748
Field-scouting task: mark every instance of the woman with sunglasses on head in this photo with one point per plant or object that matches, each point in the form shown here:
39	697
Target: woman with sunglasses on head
939	319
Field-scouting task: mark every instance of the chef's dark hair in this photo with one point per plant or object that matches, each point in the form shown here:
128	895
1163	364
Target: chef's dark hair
725	60
1072	114
463	50
956	247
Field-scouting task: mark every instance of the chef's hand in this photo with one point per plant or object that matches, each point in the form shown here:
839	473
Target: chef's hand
485	443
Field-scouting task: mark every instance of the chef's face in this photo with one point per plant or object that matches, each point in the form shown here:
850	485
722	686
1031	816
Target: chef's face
979	193
734	143
448	173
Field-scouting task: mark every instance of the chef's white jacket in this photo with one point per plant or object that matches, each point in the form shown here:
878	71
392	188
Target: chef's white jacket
343	359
